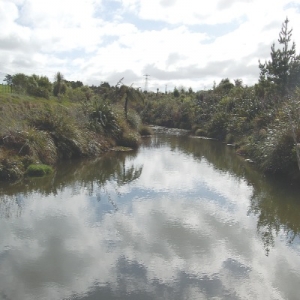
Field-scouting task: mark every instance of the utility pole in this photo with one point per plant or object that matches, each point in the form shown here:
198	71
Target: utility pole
146	82
166	89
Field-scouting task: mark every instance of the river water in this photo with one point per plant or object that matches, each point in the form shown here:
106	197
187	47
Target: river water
181	218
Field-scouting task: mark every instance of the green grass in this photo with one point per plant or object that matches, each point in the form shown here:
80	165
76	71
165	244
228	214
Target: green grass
38	170
5	88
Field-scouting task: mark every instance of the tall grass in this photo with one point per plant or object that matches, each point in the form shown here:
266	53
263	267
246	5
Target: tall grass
45	131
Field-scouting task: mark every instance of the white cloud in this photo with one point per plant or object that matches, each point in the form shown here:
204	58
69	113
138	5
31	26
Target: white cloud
95	40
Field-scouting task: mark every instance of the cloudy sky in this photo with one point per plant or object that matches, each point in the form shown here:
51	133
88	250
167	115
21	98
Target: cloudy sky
177	42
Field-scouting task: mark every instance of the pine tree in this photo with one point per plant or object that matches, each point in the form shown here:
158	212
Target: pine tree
281	73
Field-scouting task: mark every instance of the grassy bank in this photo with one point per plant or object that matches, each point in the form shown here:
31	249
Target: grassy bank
39	131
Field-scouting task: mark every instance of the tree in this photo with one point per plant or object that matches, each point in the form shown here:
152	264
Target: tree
59	84
44	82
224	86
8	79
19	82
281	73
74	84
176	92
39	86
238	82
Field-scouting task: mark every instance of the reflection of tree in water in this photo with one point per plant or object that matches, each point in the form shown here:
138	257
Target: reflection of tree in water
92	175
10	207
275	203
277	211
221	157
120	176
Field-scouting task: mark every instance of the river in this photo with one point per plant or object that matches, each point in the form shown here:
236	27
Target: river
180	218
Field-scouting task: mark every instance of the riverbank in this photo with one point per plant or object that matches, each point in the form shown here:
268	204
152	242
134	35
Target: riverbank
39	131
267	131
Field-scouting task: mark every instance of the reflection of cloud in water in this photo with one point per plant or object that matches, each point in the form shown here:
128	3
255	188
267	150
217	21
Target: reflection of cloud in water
167	171
163	249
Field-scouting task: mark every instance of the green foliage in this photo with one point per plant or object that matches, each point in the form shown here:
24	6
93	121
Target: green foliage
176	92
134	120
129	94
274	151
69	137
74	84
19	82
263	120
59	86
103	118
59	89
30	141
169	111
217	127
145	130
281	73
5	88
38	170
8	79
200	132
10	169
224	86
39	86
229	139
129	139
75	95
43	132
79	94
34	85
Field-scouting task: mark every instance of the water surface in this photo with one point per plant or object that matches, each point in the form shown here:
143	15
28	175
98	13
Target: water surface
181	218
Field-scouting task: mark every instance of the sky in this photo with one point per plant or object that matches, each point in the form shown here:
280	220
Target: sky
182	43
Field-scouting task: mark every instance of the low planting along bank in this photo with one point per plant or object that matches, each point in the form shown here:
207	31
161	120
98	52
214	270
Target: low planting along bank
35	133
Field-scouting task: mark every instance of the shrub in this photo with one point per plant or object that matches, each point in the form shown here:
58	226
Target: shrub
30	141
145	130
200	132
75	95
11	169
101	117
134	120
229	139
218	126
129	139
274	149
59	88
279	155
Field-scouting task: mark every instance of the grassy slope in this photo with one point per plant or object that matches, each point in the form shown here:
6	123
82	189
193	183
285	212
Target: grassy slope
35	130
